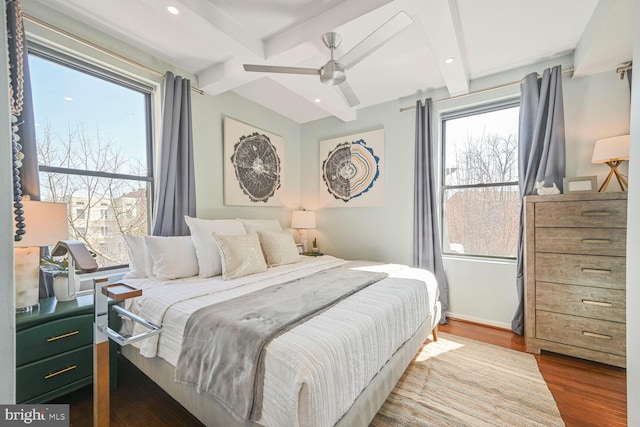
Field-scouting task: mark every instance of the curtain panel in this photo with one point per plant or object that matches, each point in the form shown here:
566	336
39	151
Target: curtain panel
175	195
427	251
541	154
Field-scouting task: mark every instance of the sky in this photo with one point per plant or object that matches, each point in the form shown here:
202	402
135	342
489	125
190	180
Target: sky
64	97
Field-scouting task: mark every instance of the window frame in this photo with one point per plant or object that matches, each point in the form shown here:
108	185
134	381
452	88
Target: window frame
462	112
97	70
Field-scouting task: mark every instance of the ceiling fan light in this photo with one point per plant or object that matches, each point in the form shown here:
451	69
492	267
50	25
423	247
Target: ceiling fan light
332	73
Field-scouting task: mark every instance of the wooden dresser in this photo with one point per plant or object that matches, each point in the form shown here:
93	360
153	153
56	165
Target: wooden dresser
575	273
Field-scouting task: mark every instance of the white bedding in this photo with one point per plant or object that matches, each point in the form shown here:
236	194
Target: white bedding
314	372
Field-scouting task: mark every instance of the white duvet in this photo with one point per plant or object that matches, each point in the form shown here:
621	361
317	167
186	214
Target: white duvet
314	372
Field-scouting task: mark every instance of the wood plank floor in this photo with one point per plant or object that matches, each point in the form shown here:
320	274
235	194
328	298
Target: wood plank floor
587	394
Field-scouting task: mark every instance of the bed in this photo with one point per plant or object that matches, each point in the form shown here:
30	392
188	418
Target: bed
333	367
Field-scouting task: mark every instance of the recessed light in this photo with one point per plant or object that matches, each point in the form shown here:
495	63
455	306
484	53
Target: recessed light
449	60
173	10
68	98
318	100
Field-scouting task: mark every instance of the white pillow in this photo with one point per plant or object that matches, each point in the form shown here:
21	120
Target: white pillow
251	225
173	257
278	247
202	230
140	262
241	255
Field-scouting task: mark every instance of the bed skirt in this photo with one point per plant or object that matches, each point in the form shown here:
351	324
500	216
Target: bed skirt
365	407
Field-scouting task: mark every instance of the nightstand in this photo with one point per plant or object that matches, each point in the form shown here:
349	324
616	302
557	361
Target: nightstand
54	349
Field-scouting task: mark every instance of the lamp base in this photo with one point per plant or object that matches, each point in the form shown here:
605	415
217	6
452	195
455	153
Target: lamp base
27	278
614	171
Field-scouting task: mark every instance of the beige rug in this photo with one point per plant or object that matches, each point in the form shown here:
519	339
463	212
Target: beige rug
461	382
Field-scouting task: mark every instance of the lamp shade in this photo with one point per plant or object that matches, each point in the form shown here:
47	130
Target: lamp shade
303	219
46	224
611	149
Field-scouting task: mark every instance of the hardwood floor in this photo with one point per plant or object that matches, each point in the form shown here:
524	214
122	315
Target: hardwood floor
587	393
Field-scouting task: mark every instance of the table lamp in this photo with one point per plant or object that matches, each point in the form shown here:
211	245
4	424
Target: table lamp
303	220
46	224
612	151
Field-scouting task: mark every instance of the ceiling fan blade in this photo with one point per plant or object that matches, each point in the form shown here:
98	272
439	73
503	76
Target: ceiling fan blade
373	41
348	94
279	69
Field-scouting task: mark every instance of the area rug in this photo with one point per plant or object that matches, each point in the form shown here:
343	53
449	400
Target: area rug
461	382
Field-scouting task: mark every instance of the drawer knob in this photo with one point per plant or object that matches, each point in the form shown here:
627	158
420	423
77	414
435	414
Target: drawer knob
597	241
596	213
59	337
594	335
597	303
70	368
596	271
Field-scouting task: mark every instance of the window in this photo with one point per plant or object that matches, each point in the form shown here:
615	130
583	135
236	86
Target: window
480	194
94	149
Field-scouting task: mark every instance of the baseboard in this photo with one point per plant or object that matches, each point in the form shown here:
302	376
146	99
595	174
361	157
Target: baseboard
488	322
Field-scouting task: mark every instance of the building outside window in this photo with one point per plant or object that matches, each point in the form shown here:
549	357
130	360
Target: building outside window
94	149
481	202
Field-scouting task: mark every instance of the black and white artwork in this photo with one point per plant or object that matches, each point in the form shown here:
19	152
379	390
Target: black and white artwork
253	165
351	169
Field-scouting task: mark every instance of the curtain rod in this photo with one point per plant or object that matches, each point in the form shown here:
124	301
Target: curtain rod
489	89
98	48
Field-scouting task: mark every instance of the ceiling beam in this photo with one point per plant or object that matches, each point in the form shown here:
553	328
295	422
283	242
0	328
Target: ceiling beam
441	24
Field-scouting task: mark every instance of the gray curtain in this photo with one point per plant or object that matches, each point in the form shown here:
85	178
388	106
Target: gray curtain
176	181
541	152
427	252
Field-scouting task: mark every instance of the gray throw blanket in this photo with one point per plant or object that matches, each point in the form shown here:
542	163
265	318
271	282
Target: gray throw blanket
222	349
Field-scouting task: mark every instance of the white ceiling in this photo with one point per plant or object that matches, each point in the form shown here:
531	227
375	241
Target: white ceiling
213	38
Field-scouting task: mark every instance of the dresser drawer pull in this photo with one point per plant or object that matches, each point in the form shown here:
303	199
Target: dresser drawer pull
594	335
597	241
59	337
598	303
70	368
596	271
597	213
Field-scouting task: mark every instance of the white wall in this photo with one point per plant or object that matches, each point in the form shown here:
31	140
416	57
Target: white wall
633	245
7	293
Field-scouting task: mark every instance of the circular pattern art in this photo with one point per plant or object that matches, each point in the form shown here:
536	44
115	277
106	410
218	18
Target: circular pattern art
257	167
350	170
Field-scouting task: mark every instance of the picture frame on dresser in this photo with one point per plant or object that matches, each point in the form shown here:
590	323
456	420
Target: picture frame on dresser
580	184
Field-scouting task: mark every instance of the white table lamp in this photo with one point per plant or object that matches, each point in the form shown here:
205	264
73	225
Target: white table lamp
303	221
46	223
612	151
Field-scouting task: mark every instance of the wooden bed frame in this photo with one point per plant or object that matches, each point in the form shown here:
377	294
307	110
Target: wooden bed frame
363	410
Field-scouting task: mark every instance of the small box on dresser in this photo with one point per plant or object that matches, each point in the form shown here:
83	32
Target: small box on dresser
575	275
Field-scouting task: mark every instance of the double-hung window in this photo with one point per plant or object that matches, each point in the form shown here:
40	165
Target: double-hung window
93	130
480	198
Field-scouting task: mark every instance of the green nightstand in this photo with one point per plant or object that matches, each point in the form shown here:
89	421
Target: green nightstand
54	349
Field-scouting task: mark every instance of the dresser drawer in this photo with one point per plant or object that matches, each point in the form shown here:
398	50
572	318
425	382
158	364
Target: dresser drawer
595	303
54	337
593	334
587	270
586	241
53	373
588	213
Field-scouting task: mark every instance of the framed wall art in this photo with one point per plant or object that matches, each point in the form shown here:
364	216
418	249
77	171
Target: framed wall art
352	170
253	165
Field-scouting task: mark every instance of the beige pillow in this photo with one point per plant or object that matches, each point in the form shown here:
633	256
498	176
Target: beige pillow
240	255
278	247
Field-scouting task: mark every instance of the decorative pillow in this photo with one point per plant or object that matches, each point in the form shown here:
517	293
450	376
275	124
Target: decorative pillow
255	225
140	261
241	255
202	230
173	257
278	247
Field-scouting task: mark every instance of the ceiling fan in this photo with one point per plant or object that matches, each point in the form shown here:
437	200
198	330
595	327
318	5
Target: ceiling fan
333	73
